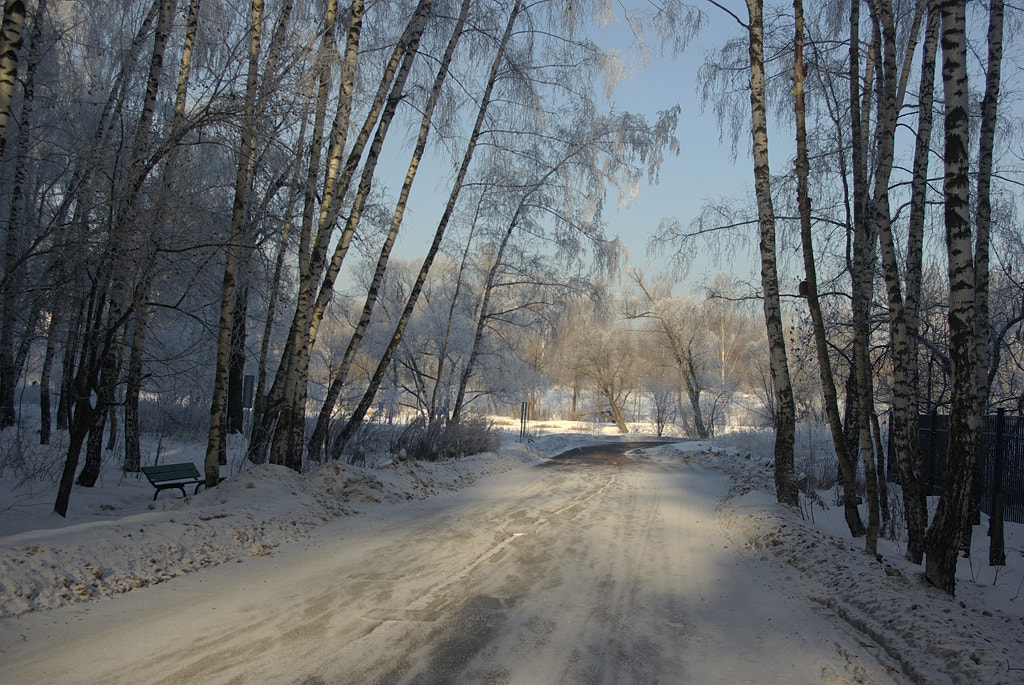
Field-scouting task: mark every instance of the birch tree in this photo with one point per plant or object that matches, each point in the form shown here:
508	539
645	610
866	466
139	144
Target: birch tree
319	435
246	160
10	47
943	537
967	267
785	436
364	404
283	420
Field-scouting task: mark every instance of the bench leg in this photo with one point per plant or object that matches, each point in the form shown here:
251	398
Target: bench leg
180	486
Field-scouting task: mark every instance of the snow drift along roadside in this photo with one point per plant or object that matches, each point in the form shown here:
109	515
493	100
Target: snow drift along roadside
248	515
934	638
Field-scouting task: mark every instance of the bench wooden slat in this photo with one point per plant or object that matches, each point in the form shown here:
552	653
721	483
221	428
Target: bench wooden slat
171	471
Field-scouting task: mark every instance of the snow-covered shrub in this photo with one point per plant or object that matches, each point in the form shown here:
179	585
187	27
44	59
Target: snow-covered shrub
438	440
22	456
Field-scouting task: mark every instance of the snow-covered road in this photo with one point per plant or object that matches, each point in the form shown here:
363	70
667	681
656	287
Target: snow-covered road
591	569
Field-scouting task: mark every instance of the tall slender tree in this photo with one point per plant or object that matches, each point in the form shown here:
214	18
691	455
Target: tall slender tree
785	436
943	537
319	436
828	384
364	404
240	205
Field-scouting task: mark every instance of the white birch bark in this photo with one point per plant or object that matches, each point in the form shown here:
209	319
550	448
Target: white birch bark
246	160
785	436
903	316
943	537
364	404
319	436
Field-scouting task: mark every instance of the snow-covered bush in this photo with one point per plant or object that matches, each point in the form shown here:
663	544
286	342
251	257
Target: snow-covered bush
437	440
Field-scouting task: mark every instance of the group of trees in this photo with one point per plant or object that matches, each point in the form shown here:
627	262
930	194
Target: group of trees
198	191
646	353
914	189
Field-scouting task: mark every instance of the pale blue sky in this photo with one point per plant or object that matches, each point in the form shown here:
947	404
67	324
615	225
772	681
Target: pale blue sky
703	169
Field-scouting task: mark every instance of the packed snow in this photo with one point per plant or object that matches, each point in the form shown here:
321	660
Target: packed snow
116	540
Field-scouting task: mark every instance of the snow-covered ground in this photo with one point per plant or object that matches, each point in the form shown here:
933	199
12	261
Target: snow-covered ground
115	540
975	637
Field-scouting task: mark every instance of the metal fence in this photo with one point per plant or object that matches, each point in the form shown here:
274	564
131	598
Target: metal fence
999	466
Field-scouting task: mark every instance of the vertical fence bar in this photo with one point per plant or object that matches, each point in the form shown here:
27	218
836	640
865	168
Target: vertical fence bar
522	423
931	467
997	549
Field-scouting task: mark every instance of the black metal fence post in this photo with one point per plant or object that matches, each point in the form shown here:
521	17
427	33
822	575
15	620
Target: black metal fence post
996	548
998	487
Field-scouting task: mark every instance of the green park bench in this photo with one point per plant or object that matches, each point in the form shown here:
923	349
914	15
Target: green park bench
167	476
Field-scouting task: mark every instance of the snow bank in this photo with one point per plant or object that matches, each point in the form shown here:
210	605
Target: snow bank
247	515
977	637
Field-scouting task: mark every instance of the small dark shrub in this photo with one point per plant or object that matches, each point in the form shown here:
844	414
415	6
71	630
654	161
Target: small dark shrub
438	440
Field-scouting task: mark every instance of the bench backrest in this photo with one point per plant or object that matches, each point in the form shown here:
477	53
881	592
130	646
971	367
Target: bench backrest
168	472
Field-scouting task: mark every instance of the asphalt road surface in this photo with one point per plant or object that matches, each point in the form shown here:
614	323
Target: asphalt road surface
599	566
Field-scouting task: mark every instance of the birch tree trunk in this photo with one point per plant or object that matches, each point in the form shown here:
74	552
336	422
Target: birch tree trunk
862	273
319	437
903	312
364	404
986	143
268	406
289	437
785	436
133	380
16	217
10	47
943	538
879	220
246	160
828	384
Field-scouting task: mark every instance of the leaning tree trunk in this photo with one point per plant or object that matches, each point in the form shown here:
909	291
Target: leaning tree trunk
318	439
828	383
785	437
289	437
943	538
364	404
